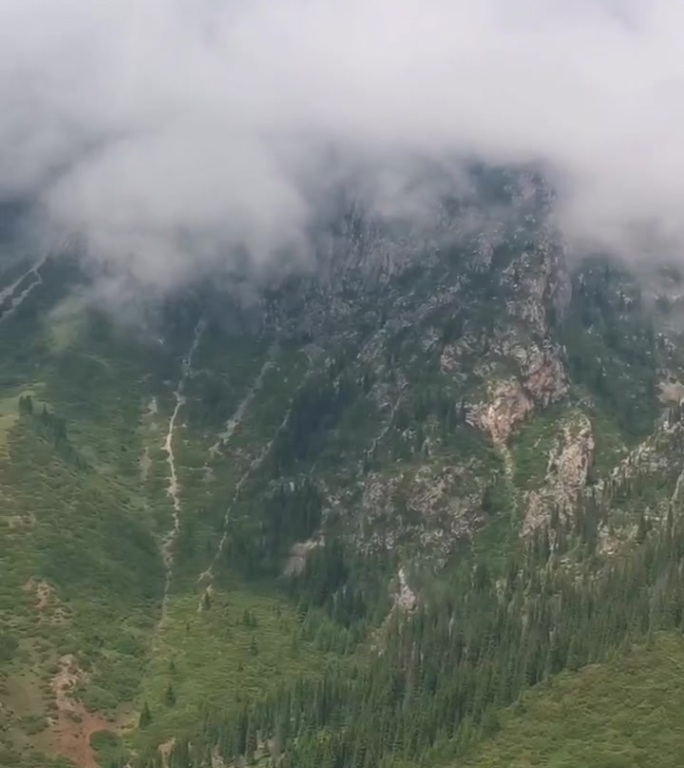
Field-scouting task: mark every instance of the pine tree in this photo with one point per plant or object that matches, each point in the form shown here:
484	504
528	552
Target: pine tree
145	716
170	696
253	648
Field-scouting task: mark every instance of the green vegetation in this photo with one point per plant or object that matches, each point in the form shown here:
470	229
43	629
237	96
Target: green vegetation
533	444
109	749
613	349
212	657
485	640
82	574
326	569
624	713
82	571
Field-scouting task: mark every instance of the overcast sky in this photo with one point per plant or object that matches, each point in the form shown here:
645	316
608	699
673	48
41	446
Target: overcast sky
168	130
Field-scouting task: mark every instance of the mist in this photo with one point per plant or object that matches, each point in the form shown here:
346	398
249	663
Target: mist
176	136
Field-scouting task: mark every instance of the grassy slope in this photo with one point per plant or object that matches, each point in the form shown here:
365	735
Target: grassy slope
622	714
221	657
215	656
82	522
81	571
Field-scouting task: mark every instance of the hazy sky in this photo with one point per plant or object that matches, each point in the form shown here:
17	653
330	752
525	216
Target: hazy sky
170	130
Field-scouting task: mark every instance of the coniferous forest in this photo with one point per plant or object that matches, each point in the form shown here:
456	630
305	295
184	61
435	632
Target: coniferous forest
437	683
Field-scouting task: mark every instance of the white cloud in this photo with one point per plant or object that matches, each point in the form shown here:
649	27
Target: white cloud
171	130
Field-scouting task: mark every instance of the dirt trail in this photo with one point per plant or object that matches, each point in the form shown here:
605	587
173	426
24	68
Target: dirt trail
257	461
173	488
17	301
385	428
208	575
236	419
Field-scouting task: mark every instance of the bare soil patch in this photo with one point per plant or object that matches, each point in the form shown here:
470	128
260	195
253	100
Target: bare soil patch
71	730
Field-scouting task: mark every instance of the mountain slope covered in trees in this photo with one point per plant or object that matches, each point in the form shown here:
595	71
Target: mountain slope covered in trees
622	712
349	523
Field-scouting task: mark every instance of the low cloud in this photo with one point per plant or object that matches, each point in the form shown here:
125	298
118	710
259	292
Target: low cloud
178	136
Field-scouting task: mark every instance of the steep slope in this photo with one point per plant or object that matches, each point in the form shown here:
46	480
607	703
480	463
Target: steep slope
343	519
451	405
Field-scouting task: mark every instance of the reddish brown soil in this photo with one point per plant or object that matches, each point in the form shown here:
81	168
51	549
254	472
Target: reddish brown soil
74	725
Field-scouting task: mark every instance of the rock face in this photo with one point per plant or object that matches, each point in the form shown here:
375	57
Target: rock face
508	406
405	598
541	381
299	553
567	472
574	456
451	326
431	506
451	338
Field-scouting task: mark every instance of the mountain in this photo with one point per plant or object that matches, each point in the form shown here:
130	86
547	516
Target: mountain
348	516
